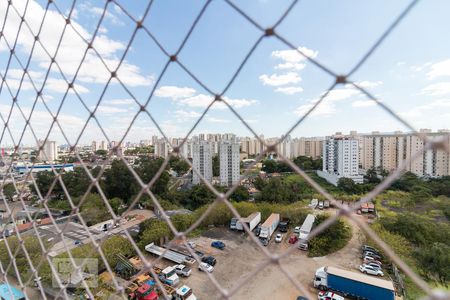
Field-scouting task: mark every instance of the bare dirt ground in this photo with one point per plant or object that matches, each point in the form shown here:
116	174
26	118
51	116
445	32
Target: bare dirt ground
241	256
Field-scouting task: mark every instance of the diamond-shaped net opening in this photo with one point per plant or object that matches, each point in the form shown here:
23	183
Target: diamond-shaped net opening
48	35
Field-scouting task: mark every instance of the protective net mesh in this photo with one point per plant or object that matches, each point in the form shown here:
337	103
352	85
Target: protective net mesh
18	119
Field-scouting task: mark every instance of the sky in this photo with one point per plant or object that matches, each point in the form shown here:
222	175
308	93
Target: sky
409	72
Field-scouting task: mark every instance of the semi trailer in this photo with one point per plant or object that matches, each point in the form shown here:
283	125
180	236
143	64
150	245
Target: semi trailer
305	229
268	228
352	284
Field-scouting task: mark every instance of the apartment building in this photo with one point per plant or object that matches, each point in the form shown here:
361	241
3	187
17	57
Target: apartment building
201	160
229	162
340	159
49	151
389	151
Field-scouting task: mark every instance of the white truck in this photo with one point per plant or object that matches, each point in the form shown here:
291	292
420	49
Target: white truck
304	232
184	293
268	228
183	270
169	276
252	221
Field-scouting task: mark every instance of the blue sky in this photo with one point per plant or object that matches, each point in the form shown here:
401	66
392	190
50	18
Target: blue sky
410	72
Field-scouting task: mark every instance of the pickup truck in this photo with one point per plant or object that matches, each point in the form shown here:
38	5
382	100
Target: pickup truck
183	270
284	224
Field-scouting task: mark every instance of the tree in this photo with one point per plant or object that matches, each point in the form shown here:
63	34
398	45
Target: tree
436	261
44	180
76	182
93	210
347	185
148	168
119	181
179	165
9	191
371	176
331	239
269	166
155	231
117	245
240	194
216	165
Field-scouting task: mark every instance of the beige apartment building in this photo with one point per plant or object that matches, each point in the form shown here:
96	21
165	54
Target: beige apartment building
389	150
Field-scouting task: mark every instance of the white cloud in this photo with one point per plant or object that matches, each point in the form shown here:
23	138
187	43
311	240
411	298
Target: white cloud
189	97
174	92
120	102
278	80
293	56
439	69
363	103
290	65
289	90
51	85
98	11
437	89
421	110
238	103
109	110
72	47
293	63
328	105
217	120
182	114
368	84
60	86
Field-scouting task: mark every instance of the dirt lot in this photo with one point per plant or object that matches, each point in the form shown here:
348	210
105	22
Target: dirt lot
241	256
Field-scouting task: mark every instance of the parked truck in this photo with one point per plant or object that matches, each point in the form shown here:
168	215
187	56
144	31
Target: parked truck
233	223
185	293
352	284
252	221
304	231
268	228
169	276
284	224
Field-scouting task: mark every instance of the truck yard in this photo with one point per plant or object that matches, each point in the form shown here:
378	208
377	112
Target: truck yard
241	255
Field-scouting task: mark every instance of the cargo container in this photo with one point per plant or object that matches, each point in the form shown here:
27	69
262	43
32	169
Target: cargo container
268	228
352	284
305	230
252	221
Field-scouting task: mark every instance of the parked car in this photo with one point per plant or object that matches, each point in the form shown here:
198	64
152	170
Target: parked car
183	270
368	259
372	254
301	298
297	229
199	253
320	204
278	238
373	264
365	248
218	244
370	270
329	296
293	239
205	267
210	260
192	245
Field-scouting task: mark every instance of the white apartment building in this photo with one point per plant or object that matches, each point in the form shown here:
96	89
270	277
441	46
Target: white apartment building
201	161
161	148
229	162
49	151
341	159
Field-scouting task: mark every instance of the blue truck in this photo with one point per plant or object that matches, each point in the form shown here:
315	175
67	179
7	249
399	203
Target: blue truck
354	285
